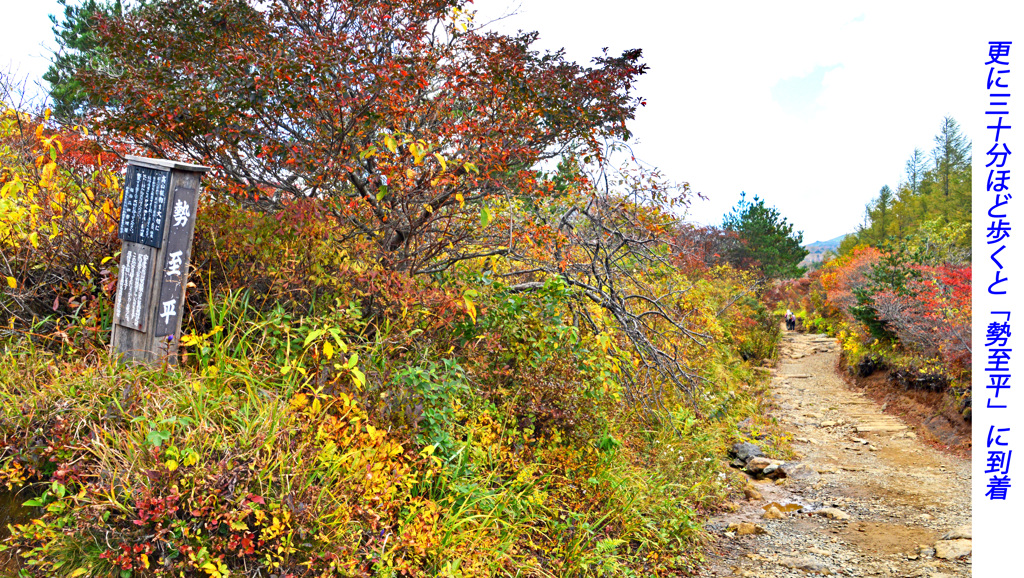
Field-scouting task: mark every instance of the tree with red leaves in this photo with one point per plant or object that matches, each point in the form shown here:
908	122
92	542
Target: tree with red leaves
424	138
934	315
406	118
704	247
842	277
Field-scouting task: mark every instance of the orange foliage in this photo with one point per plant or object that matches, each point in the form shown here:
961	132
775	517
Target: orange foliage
840	277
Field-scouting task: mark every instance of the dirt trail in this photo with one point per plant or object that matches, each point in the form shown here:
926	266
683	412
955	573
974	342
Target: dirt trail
901	496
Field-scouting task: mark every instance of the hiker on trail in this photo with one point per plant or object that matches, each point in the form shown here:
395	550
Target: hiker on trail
790	320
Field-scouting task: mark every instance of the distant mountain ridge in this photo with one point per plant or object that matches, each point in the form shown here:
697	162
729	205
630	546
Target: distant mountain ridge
818	249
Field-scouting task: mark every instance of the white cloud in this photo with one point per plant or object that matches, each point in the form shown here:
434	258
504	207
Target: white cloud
893	70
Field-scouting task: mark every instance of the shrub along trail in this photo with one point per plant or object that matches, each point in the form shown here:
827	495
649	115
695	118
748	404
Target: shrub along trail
874	499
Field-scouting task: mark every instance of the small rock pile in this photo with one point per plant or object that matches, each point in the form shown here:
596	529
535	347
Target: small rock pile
751	458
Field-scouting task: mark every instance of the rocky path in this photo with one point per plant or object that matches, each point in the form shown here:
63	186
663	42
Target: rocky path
864	497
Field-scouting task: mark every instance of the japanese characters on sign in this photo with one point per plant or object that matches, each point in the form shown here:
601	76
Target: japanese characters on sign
142	211
176	256
998	351
132	295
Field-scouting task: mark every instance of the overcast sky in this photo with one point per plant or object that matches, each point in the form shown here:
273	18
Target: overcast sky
813	106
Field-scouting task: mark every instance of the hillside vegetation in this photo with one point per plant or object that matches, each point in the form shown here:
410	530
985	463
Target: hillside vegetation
431	330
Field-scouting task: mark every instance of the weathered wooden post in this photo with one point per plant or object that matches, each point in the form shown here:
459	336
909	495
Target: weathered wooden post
158	217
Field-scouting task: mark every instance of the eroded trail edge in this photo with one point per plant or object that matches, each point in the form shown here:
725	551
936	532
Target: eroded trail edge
864	496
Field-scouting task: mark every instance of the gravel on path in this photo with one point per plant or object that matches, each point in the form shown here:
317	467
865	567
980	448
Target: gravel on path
873	499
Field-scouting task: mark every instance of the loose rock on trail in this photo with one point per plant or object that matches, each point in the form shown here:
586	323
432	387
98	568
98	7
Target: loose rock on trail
865	496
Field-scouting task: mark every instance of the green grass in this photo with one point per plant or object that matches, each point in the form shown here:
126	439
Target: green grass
263	452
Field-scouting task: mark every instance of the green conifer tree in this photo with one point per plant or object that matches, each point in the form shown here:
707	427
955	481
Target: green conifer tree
768	238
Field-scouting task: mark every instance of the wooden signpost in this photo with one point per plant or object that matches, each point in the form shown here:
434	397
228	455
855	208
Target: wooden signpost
158	217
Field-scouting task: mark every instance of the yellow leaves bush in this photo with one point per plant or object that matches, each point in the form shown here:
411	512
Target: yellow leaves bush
38	194
367	476
57	218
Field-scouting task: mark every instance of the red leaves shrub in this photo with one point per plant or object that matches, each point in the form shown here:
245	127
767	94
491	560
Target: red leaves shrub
788	292
409	118
935	318
930	314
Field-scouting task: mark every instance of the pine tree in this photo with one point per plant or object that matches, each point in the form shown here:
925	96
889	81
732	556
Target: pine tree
77	49
952	156
941	191
768	238
880	214
916	167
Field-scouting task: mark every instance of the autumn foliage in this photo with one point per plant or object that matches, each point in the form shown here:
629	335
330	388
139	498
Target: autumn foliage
408	338
927	311
410	121
933	316
893	311
700	247
58	215
491	411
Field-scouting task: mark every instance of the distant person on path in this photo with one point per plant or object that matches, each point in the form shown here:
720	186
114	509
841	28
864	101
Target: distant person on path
790	320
